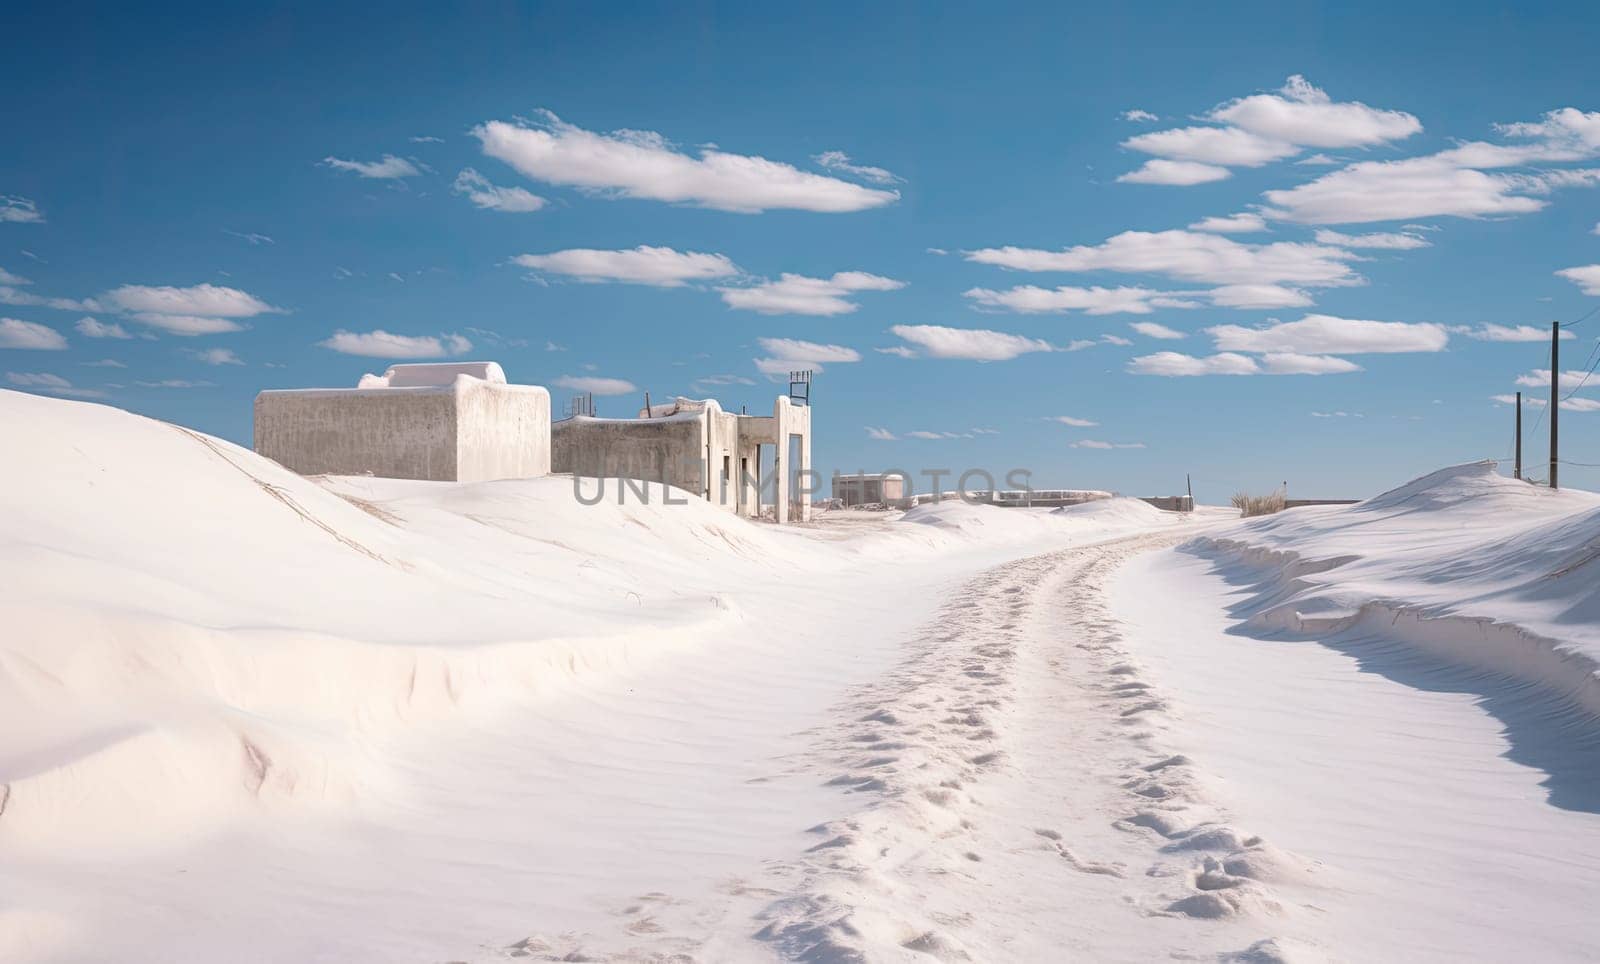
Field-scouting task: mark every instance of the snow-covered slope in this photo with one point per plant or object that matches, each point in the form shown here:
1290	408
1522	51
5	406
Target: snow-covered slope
1483	570
208	662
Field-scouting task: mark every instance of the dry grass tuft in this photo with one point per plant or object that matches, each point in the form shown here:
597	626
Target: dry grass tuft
1249	505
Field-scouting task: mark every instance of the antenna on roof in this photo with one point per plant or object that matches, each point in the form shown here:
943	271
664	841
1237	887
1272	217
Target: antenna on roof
581	405
800	387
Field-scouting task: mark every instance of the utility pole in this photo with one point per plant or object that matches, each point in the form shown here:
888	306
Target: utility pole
1518	473
1555	395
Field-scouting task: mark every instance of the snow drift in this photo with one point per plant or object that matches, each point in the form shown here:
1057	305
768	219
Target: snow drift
1484	571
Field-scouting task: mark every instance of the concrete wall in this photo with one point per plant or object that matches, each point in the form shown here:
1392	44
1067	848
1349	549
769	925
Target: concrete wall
470	431
670	450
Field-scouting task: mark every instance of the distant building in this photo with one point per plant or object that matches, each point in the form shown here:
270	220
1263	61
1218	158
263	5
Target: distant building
725	458
884	488
456	422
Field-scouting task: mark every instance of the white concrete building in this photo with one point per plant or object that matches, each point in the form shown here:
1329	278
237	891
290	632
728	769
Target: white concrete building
883	488
694	445
456	422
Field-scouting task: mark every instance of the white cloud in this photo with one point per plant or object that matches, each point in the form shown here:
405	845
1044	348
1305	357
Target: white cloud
1328	335
1570	380
1090	443
382	344
1259	296
1337	415
1492	332
16	333
214	356
643	164
1179	173
1174	364
54	384
1225	146
1115	340
1139	116
92	328
1390	241
1294	363
1030	299
1437	185
7	278
1074	422
644	265
19	210
790	354
1302	114
250	237
1586	278
1319	160
795	294
1189	256
492	197
721	380
426	139
840	161
389	168
596	385
881	434
899	351
11	296
1150	329
201	309
972	343
1567	404
1243	223
175	383
104	363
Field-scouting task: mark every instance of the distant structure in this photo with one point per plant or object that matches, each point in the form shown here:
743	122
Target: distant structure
725	458
455	422
883	488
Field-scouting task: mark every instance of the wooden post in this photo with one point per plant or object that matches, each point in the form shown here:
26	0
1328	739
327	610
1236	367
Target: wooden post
1555	395
1518	473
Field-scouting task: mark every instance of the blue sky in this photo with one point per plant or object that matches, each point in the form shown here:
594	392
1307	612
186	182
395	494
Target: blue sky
965	188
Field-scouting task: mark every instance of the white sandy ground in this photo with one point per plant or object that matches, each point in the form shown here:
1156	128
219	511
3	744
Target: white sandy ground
246	716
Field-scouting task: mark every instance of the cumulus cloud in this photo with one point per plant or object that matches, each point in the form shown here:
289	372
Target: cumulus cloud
93	328
199	310
1178	173
1587	278
840	161
881	434
1567	404
977	344
1461	181
595	385
1029	299
784	355
382	344
1139	116
1299	113
175	383
389	168
1570	380
1090	443
30	336
1225	146
7	278
1150	329
1189	256
1243	223
19	210
1493	332
794	294
644	265
10	295
491	197
1259	296
1400	241
1074	422
52	384
1176	364
104	363
1328	335
644	165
